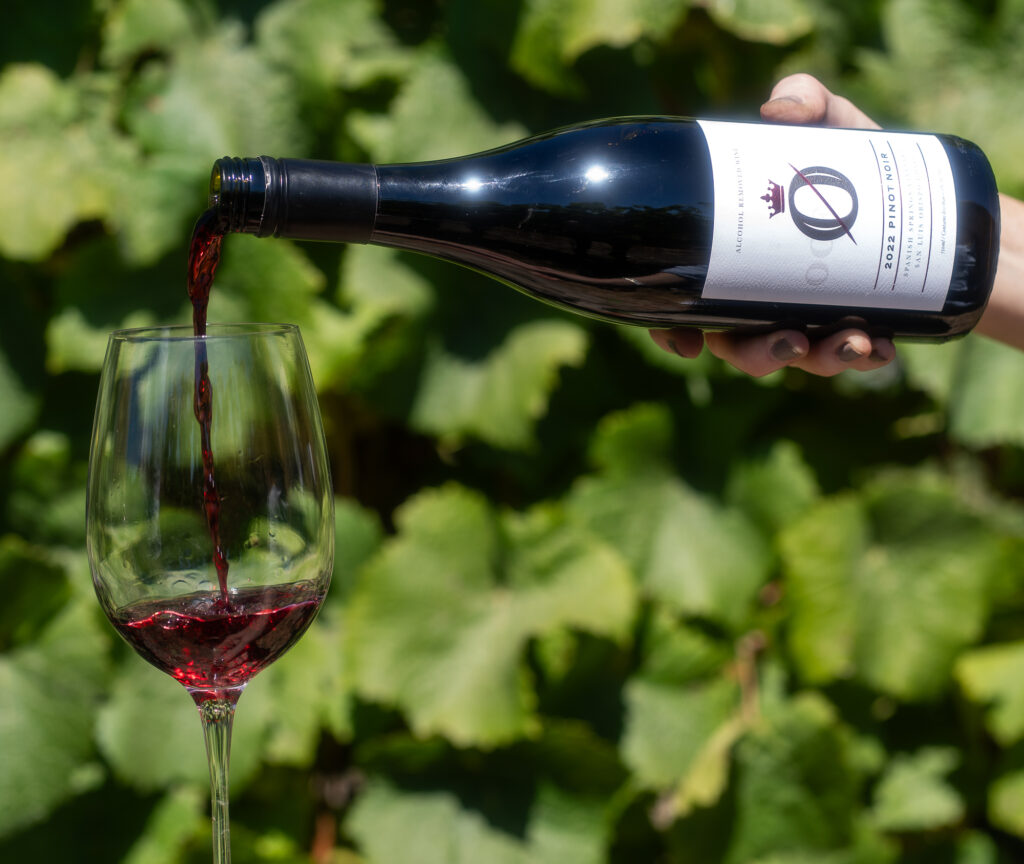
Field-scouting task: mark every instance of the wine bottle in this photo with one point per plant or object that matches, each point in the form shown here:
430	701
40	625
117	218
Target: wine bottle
662	222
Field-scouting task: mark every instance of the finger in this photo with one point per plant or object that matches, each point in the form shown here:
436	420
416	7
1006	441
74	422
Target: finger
759	355
847	349
803	99
682	341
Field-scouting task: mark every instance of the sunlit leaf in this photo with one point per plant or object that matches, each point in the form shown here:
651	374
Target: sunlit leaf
796	786
774	21
440	619
174	108
776	488
993	676
394	825
329	44
150	733
680	737
55	172
552	34
888	586
1006	802
913	794
175	821
500	398
691	552
46	714
436	102
136	26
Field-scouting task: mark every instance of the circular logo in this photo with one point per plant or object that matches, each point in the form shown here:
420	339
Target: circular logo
834	225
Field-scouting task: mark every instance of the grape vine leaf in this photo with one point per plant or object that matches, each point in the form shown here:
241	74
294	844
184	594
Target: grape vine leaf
133	27
978	381
169	111
390	824
797	785
46	715
436	100
177	818
913	794
440	618
776	488
150	734
37	587
689	551
553	34
328	45
55	170
679	739
775	21
1006	802
888	585
682	716
993	676
500	398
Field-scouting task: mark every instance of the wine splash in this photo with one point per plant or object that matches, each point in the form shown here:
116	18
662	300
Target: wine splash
203	257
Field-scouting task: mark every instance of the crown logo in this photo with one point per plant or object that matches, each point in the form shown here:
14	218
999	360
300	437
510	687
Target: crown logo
775	199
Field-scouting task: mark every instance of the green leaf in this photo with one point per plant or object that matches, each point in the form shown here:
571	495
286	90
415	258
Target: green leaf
47	496
133	27
439	620
428	827
175	820
327	45
20	400
304	692
679	738
357	536
796	788
55	172
775	489
1006	802
35	588
979	383
436	101
774	21
913	795
150	734
385	301
689	551
993	676
890	585
274	280
499	399
390	824
171	108
46	715
553	34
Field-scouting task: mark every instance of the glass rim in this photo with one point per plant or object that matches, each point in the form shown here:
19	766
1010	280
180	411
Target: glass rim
185	333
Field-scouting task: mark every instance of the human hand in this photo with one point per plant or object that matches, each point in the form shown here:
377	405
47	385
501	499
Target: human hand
804	100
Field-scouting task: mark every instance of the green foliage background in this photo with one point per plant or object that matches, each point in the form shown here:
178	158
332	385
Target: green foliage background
591	603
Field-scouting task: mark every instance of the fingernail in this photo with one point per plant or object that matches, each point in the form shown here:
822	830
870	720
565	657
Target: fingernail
848	353
796	100
783	350
878	357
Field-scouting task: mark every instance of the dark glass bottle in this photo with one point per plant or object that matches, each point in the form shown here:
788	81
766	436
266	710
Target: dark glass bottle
616	219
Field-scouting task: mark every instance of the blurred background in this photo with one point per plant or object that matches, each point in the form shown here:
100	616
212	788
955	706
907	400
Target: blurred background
591	603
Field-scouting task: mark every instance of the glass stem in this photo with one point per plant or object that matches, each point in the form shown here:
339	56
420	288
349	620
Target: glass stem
218	715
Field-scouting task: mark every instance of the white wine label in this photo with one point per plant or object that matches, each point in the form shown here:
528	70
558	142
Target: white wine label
830	216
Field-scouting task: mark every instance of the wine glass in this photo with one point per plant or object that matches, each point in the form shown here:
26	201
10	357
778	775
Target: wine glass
210	513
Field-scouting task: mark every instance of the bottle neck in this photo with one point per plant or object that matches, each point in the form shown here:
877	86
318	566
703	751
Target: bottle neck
299	198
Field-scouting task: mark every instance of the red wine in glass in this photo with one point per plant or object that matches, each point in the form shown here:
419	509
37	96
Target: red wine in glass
211	645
